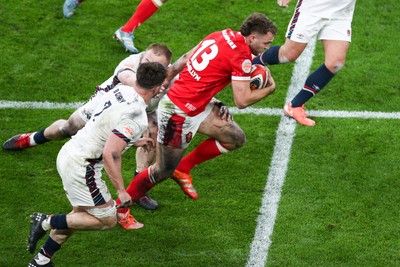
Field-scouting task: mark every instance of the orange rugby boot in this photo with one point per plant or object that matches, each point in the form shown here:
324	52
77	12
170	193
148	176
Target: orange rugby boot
298	114
127	221
184	180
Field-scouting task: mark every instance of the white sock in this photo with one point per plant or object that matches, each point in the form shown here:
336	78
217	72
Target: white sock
41	259
31	140
46	224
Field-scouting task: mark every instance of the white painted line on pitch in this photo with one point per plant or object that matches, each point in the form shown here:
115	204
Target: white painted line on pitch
250	110
277	170
321	113
39	105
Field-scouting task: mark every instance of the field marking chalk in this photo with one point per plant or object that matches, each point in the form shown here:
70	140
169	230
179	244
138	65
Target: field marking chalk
277	171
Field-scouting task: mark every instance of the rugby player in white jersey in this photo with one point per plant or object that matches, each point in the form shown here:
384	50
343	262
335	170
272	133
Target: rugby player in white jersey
62	128
117	123
330	21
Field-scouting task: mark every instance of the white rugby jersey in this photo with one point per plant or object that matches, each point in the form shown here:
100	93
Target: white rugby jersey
133	62
121	111
331	9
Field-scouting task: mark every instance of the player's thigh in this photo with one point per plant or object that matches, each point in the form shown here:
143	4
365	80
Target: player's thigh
301	30
227	132
335	36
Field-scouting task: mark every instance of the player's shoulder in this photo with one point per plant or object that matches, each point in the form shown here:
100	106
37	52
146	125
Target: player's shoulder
131	61
232	34
130	96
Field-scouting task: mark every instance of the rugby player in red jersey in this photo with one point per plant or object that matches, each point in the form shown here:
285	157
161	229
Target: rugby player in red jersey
221	58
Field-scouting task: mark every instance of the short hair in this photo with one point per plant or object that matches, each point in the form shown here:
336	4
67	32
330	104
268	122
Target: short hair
161	50
150	74
257	22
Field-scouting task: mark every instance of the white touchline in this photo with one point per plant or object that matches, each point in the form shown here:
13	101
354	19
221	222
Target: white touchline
277	170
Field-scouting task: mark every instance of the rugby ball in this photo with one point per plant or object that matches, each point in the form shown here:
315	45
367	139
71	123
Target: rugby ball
258	77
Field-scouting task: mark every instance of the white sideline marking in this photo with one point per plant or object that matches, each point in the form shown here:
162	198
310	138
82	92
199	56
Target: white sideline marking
277	170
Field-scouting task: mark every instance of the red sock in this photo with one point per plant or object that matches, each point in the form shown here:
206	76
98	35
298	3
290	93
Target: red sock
207	149
144	10
79	1
138	187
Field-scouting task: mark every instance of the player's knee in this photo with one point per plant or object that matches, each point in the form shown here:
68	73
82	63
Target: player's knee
237	139
107	216
109	223
70	128
338	66
335	66
240	139
158	173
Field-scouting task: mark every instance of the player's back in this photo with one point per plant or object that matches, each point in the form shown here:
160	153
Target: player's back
117	108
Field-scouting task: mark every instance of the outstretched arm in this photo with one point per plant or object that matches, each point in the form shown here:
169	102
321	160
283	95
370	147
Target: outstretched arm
177	67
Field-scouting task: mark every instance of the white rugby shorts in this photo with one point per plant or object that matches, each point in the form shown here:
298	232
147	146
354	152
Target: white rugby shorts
82	181
305	27
175	128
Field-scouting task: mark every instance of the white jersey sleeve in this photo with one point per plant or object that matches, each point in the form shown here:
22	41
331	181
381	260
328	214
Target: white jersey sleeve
132	62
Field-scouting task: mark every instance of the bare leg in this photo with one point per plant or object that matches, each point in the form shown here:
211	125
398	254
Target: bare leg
62	129
145	157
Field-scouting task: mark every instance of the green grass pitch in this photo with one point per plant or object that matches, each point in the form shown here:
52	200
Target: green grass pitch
339	200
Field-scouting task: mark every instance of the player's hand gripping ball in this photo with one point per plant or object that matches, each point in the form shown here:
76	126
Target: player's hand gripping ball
259	76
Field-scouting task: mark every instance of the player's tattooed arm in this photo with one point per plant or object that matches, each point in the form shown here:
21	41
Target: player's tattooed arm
177	67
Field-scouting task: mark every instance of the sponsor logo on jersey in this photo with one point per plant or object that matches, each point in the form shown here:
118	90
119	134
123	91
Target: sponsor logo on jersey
300	36
246	65
190	107
118	96
128	131
228	39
